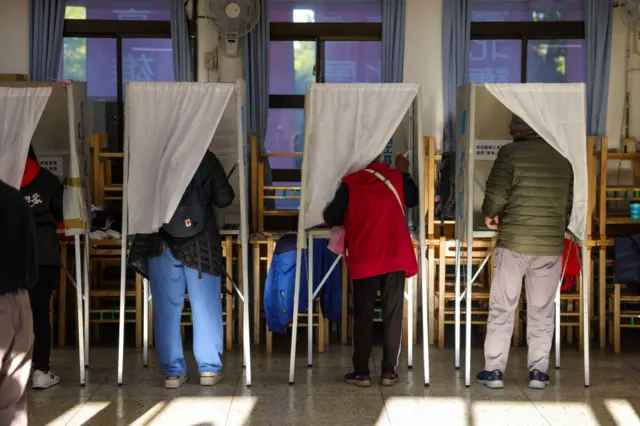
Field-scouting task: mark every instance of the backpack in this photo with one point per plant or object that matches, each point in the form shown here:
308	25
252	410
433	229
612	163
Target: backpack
193	211
446	208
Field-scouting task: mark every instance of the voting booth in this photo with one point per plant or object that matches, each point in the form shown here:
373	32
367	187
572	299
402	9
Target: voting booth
557	113
51	117
168	129
348	126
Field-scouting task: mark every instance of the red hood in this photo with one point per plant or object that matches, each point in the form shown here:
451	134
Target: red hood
31	170
367	179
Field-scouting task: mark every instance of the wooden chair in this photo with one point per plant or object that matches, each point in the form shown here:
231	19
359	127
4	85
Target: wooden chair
625	307
445	294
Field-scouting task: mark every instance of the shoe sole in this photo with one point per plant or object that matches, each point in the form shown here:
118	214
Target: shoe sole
210	380
388	382
174	384
537	384
493	384
34	387
359	383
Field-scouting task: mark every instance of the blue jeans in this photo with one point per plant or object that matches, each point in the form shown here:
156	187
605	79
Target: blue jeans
169	281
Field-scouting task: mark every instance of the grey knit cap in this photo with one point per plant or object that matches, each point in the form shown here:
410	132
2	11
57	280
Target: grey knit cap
518	125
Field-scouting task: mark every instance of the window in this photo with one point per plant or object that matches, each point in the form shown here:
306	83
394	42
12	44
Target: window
122	10
285	133
291	66
495	61
521	41
352	62
110	42
556	61
325	11
527	10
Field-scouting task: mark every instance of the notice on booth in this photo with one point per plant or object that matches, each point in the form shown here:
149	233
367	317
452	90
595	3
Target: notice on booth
488	150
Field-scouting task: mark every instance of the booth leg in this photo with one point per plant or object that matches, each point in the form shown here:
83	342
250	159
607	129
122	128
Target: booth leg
256	293
145	322
457	305
86	298
62	297
310	303
557	324
296	307
80	314
469	298
410	325
602	295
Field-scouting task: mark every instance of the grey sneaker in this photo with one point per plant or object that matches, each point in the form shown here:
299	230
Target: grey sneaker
491	379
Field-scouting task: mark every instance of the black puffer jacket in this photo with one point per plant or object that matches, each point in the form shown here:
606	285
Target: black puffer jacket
18	248
202	252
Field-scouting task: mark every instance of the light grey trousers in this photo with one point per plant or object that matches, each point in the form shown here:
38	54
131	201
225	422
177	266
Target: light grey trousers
16	347
542	277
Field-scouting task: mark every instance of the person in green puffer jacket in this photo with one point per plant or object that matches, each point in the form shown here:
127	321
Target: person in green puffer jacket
528	199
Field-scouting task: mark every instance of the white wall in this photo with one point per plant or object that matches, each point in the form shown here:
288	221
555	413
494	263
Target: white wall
423	60
229	68
14	37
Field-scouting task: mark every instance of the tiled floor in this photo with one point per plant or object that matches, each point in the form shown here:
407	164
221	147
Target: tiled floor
320	398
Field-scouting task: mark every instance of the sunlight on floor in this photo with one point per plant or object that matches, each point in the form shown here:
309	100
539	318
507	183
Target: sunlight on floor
80	413
456	411
622	412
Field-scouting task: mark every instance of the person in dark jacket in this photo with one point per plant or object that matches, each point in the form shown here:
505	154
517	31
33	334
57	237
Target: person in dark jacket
18	272
528	199
43	191
379	255
194	264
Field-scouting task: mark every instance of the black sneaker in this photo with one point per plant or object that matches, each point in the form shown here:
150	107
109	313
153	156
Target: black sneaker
491	379
538	379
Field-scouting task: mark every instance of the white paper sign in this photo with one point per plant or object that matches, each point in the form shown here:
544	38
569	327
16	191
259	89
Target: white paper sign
53	163
488	150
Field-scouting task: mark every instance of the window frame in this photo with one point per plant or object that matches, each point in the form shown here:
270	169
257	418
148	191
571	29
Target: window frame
318	33
525	32
119	30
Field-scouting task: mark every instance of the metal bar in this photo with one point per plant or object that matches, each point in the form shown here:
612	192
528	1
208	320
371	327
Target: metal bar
80	313
326	276
145	322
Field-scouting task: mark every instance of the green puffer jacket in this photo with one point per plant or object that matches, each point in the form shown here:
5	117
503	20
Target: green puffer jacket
530	188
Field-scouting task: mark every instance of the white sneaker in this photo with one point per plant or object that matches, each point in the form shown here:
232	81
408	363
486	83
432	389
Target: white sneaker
175	382
44	380
210	379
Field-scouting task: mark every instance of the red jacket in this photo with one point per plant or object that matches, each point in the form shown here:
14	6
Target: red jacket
377	239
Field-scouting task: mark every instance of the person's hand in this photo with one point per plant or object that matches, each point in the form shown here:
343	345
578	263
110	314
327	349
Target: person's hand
492	223
402	164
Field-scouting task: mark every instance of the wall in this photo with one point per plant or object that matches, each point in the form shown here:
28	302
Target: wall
423	60
14	37
229	68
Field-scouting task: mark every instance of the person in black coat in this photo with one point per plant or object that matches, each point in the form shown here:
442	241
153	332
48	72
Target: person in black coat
43	191
18	272
194	264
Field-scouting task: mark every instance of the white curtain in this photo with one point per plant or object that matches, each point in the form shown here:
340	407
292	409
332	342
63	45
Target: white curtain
170	126
347	126
557	113
20	112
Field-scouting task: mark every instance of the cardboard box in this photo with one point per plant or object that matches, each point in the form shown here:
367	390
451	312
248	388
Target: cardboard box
5	78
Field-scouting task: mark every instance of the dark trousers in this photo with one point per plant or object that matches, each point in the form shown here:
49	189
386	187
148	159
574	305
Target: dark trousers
40	296
364	299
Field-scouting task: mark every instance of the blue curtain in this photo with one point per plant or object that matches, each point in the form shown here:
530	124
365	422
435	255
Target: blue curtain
46	20
181	42
598	24
256	75
456	30
393	23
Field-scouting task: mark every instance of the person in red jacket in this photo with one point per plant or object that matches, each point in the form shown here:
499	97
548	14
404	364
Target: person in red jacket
379	254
